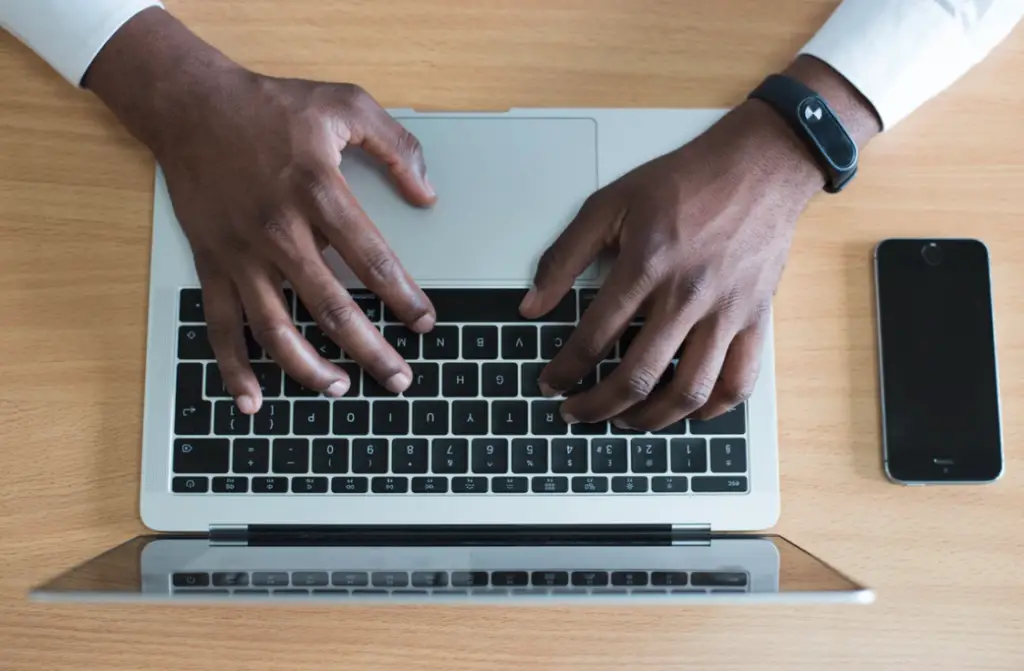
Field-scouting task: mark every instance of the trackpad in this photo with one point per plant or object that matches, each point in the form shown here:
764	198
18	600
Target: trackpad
506	188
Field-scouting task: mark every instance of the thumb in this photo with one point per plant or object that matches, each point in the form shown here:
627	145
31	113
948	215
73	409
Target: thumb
571	254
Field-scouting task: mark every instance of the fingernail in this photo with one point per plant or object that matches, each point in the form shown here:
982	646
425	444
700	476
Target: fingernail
529	300
430	187
621	424
568	418
247	404
547	389
398	382
423	324
337	389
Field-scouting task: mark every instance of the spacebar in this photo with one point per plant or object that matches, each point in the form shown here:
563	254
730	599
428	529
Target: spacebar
485	306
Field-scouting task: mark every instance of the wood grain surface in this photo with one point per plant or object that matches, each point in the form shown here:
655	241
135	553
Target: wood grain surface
75	208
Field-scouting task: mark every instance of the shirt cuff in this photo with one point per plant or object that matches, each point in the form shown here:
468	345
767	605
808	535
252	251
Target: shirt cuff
68	34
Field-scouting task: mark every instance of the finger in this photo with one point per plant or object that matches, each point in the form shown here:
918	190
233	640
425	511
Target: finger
598	330
384	138
740	370
335	213
575	249
691	385
272	327
641	369
225	327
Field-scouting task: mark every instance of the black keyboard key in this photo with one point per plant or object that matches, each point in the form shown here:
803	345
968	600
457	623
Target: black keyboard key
391	418
449	455
293	389
586	384
290	455
470	579
587	429
605	369
510	485
510	579
374	389
230	579
190	484
669	578
389	579
569	455
250	455
201	455
252	348
309	485
268	374
550	484
389	485
469	485
269	485
430	579
590	484
500	380
629	578
546	420
590	578
459	380
370	455
441	343
425	381
629	484
270	579
469	418
350	485
429	485
608	455
552	340
193	343
668	484
301	313
190	306
530	455
351	418
231	485
324	346
490	455
310	578
273	419
689	455
191	412
510	418
628	336
720	483
330	455
429	418
728	455
488	306
479	342
228	420
529	374
409	455
350	579
311	418
649	455
354	376
215	387
369	304
677	428
549	578
718	579
404	341
190	579
519	342
732	422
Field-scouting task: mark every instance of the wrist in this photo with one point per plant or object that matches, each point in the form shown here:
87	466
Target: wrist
159	78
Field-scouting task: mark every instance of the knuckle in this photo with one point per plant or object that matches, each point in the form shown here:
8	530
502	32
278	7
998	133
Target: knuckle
277	229
407	145
695	395
336	315
267	334
382	267
735	392
639	384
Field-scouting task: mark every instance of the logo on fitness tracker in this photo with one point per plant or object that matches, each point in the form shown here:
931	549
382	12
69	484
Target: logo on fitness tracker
810	110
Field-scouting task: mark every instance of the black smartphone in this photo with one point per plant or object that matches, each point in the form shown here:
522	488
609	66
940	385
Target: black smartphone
937	362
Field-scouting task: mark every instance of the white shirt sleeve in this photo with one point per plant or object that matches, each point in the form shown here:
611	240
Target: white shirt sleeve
901	53
68	34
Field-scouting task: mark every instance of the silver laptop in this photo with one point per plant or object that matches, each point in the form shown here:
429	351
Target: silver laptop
472	446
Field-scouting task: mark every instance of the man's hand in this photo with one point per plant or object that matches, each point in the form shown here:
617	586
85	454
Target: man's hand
702	236
251	164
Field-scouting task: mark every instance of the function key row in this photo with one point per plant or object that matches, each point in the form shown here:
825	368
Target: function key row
396	484
490	456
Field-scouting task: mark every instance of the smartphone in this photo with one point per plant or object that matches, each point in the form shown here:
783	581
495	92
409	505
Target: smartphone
937	362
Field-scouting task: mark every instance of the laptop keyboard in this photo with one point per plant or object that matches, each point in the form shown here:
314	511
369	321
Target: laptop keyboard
473	421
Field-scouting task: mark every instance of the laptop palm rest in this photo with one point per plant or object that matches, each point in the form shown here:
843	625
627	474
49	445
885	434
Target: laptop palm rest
506	189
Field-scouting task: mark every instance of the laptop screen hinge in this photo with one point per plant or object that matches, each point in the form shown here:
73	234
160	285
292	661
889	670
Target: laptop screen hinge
691	534
229	534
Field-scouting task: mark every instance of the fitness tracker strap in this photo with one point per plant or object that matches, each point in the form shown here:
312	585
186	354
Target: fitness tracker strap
816	124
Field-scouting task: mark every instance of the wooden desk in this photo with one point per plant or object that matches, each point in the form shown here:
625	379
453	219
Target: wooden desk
75	204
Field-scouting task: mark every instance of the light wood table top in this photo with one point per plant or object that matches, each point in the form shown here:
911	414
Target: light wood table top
75	207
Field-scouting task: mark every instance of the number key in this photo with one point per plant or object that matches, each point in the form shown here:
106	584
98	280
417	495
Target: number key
569	455
728	455
370	455
330	455
649	455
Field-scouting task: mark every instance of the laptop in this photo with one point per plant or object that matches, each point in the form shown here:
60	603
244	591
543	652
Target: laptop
468	483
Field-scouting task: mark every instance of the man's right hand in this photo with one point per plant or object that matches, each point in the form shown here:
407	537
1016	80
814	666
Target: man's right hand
251	164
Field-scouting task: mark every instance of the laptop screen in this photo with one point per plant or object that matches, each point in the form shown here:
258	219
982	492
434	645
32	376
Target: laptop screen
722	569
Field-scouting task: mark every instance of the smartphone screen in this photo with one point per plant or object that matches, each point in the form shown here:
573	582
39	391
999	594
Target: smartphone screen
940	398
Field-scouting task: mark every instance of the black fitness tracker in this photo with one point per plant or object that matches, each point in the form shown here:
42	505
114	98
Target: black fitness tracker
816	124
